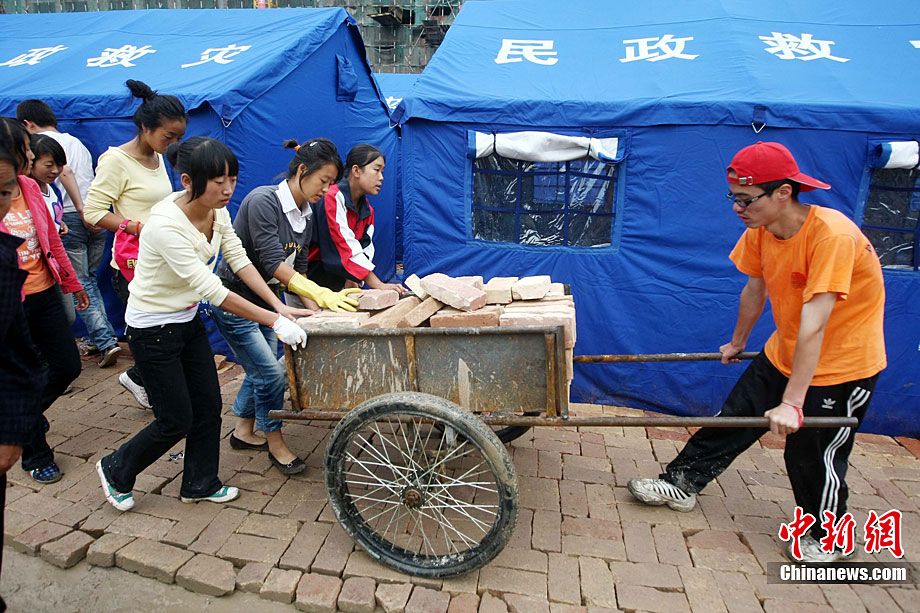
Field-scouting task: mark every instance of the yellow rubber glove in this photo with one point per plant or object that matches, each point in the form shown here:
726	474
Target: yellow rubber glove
323	296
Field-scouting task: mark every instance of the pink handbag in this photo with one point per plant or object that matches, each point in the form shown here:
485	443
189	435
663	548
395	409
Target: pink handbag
125	250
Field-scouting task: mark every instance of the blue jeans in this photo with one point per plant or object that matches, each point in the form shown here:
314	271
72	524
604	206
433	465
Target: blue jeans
85	248
256	348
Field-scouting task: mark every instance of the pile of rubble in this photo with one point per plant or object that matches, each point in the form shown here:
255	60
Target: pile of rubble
440	301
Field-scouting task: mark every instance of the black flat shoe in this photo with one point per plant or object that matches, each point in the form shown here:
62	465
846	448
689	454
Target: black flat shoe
236	443
295	466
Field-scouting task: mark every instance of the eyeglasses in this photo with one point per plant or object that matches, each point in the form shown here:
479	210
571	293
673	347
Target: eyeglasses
745	203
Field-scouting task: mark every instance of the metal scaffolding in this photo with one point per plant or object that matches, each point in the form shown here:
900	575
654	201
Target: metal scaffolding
399	35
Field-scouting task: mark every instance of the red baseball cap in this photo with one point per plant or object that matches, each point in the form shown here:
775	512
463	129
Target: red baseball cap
766	162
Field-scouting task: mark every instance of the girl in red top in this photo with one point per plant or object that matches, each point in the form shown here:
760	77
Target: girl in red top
344	255
42	255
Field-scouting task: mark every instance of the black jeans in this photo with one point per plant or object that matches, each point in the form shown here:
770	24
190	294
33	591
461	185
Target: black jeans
816	458
53	338
120	285
177	363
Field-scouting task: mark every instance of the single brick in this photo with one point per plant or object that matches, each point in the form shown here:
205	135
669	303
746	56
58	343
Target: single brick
31	540
556	289
318	593
596	583
525	604
207	575
415	284
498	290
463	603
480	318
531	288
456	293
492	604
252	576
67	551
566	320
102	552
377	299
326	320
305	546
424	600
357	595
152	559
511	580
474	280
421	313
243	548
391	317
281	585
563	583
632	597
392	597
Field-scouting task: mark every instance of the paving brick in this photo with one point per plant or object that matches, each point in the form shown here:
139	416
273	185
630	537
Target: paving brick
73	516
265	484
39	505
498	290
608	549
303	549
467	583
737	593
905	597
531	288
463	603
549	464
492	604
573	500
793	593
391	317
842	598
637	597
317	593
420	313
218	531
243	548
455	293
670	545
102	551
415	284
362	565
547	530
67	551
597	588
521	559
207	575
510	580
333	555
252	576
539	493
562	580
525	604
595	528
280	585
725	560
521	537
660	576
701	590
15	524
152	559
392	597
640	546
357	595
719	540
376	299
424	600
140	526
30	541
479	318
269	527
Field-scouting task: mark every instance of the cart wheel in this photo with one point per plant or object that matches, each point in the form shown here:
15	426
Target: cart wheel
506	434
418	502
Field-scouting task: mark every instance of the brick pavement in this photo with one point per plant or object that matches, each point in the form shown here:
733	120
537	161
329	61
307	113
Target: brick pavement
581	542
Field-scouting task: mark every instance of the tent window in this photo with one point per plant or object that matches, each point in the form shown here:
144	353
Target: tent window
544	203
891	218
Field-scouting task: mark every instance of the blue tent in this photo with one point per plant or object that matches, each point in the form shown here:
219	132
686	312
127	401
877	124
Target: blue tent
251	78
615	123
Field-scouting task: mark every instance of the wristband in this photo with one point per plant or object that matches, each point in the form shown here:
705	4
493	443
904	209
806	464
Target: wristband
797	409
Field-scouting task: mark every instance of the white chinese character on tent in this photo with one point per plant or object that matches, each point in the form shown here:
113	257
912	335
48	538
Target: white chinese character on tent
536	51
33	57
123	56
792	47
219	55
654	49
915	43
393	102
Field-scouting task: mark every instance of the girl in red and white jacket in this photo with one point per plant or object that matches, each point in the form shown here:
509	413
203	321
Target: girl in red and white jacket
49	270
344	254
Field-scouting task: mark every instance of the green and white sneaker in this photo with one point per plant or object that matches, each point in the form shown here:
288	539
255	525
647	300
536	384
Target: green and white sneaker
658	492
119	500
224	494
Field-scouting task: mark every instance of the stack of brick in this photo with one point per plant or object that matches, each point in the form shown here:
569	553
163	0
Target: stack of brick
440	301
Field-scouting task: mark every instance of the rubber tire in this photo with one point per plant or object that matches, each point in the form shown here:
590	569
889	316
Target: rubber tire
467	425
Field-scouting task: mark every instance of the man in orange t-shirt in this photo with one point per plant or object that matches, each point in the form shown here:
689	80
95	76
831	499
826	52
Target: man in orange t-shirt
827	294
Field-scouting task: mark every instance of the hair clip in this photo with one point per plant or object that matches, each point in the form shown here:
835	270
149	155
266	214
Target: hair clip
296	148
312	143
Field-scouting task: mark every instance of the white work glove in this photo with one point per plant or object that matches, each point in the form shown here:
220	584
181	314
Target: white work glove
289	332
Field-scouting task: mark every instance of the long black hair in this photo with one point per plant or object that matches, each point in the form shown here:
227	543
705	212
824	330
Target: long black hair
42	144
13	138
362	155
202	159
313	154
155	107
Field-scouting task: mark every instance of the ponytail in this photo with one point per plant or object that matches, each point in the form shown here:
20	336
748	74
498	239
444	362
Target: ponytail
313	154
155	107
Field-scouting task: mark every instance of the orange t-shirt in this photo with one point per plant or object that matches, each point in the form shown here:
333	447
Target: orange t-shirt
19	221
828	254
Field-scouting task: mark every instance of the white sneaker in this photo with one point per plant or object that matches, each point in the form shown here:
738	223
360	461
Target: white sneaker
658	491
139	393
812	553
225	494
120	500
